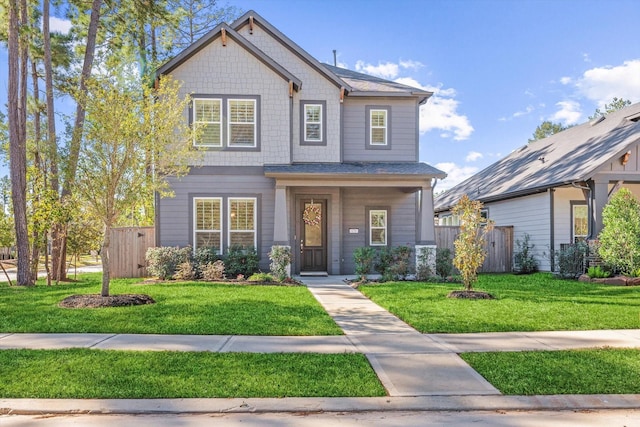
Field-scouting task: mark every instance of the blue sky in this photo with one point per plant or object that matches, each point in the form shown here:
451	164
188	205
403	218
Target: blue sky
497	68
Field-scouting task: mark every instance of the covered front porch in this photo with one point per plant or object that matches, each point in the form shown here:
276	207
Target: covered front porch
324	211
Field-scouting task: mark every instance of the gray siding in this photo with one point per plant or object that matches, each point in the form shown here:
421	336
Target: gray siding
403	138
401	226
174	219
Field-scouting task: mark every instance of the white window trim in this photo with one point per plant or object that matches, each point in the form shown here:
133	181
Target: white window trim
385	228
254	122
319	123
196	122
255	225
372	127
195	221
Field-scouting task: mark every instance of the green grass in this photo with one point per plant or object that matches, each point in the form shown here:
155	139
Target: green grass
536	302
83	373
602	371
181	308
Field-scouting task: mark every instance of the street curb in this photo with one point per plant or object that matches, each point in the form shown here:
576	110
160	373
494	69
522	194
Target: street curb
309	405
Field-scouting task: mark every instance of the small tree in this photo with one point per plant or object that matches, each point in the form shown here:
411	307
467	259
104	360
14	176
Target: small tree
469	244
620	237
135	138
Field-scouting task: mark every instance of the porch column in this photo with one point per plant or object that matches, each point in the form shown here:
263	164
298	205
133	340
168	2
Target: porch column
427	227
281	217
599	197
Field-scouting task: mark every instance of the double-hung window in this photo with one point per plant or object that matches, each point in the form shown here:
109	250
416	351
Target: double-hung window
378	227
207	114
580	222
242	221
378	123
207	230
312	123
242	122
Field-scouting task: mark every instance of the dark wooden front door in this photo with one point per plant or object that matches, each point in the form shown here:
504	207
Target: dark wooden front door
313	235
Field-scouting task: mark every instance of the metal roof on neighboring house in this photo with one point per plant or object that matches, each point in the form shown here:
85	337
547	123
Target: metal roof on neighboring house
356	168
573	155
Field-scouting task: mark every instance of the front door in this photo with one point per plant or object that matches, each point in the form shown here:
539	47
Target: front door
313	235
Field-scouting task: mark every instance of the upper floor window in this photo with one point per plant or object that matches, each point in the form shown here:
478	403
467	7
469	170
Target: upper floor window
242	122
313	123
378	127
208	114
378	227
230	122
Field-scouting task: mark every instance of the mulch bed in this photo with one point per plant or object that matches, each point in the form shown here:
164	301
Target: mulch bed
97	301
470	295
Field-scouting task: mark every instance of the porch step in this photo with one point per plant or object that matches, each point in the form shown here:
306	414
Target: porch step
314	274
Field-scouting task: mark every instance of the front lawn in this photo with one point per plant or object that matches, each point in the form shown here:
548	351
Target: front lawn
102	374
601	371
181	308
535	302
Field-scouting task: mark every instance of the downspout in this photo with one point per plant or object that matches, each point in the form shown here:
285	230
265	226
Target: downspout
589	206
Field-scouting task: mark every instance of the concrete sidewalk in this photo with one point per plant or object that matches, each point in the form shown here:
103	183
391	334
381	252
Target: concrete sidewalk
419	371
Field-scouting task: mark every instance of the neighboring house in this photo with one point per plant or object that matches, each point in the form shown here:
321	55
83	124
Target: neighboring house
298	153
555	189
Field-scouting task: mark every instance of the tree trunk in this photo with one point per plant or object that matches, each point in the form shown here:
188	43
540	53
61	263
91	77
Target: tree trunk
104	255
39	172
17	137
58	259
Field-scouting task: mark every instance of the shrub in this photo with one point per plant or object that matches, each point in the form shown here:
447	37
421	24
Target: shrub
394	263
444	263
185	271
163	261
598	272
383	260
280	257
241	260
213	271
469	244
260	277
570	260
524	261
364	258
620	237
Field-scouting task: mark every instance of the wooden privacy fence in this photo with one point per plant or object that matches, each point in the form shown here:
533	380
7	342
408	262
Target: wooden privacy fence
498	243
128	248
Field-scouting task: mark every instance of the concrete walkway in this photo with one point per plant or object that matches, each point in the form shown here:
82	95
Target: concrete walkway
418	370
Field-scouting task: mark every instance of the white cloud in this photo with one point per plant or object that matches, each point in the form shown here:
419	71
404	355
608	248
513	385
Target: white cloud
569	112
455	174
388	70
586	57
412	65
602	84
526	111
58	25
472	156
565	80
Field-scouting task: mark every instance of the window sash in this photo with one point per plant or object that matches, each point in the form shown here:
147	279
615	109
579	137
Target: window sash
580	226
378	227
378	127
241	115
207	114
312	122
242	221
207	222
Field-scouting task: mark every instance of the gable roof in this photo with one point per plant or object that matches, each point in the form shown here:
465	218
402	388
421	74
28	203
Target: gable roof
367	85
573	155
289	44
356	168
213	35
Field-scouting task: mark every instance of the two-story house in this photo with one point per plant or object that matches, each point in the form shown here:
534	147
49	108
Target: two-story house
298	153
